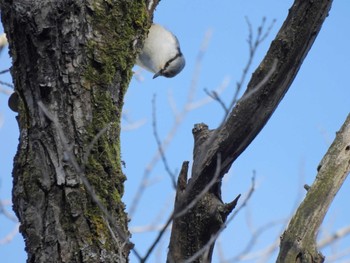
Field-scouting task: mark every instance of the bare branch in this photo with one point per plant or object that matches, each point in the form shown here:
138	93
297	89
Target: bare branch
198	66
147	228
7	92
215	96
335	236
4	211
156	241
131	124
159	143
253	240
10	236
253	46
249	116
6	84
4	71
201	102
332	171
336	257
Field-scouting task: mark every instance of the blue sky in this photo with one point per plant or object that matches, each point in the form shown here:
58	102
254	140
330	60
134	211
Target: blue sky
284	155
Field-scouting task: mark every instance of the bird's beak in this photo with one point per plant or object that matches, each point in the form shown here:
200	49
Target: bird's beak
157	74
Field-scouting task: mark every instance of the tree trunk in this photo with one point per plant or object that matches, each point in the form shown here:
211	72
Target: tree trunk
216	150
71	68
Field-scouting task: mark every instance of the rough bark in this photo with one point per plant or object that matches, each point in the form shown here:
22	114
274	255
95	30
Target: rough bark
75	57
298	243
192	231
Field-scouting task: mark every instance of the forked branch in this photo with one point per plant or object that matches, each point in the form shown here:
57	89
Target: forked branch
268	85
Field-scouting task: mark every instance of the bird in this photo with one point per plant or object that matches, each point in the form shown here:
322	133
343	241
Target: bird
161	53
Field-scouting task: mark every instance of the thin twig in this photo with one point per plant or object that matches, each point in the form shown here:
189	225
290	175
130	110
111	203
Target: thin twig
215	96
156	241
340	233
6	213
245	201
253	45
6	84
201	102
2	90
336	257
93	142
159	143
4	71
262	82
146	228
257	256
253	239
10	236
247	95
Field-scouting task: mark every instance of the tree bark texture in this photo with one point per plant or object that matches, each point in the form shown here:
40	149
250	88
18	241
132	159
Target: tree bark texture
298	243
74	58
216	150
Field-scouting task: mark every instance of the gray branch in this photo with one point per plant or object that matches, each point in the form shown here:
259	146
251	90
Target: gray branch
289	48
299	240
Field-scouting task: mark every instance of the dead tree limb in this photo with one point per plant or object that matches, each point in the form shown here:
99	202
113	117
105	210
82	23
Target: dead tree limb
289	48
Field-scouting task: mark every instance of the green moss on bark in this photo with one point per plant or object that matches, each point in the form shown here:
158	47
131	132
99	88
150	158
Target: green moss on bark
112	49
110	52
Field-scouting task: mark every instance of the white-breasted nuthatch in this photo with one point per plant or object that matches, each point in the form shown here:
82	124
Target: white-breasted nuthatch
161	53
